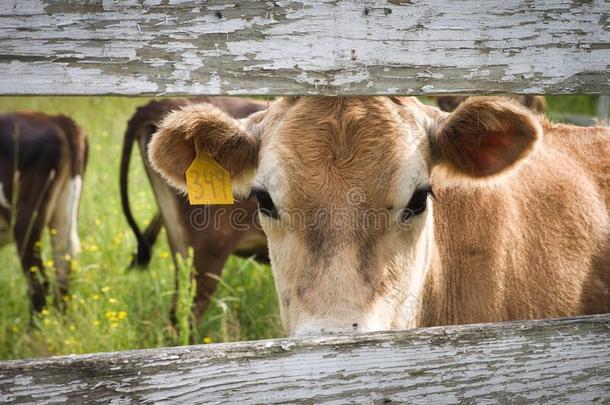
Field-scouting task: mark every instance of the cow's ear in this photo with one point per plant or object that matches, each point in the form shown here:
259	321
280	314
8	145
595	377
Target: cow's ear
484	136
207	129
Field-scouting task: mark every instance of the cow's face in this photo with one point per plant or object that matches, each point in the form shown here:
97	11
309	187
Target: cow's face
344	191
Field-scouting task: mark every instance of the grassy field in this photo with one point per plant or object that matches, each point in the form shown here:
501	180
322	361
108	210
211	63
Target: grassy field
113	309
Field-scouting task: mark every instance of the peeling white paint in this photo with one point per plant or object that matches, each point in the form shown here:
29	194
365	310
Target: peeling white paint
254	91
55	78
350	77
529	361
135	47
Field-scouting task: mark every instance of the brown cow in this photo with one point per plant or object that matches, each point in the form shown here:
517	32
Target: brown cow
517	226
450	103
214	232
42	162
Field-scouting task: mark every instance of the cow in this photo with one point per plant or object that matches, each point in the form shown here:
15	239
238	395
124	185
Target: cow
214	232
383	213
42	163
450	103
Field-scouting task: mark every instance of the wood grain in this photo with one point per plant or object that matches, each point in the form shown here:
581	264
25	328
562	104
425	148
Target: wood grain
549	361
150	47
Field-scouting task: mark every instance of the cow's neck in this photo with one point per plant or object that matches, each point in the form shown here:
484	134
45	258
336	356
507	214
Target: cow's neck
455	293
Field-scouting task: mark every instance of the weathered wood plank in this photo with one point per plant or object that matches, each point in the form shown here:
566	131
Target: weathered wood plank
550	361
304	47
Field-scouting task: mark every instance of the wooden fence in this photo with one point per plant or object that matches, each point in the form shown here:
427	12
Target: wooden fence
553	361
150	47
303	47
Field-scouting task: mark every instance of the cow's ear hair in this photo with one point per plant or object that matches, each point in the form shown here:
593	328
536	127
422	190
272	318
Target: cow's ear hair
205	128
484	136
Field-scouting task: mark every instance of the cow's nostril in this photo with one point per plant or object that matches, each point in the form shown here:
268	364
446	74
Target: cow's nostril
355	326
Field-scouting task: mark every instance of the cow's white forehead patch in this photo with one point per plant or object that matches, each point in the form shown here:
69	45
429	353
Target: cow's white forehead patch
3	200
272	176
414	171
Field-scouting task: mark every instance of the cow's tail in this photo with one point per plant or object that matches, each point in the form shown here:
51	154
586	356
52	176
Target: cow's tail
77	144
142	256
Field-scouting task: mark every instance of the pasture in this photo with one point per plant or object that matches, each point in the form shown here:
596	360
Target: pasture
109	308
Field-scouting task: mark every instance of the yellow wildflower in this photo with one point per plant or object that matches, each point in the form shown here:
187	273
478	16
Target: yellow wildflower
66	298
122	315
96	323
44	312
72	328
112	300
164	254
114	325
53	231
15	328
46	322
110	315
105	289
95	297
207	340
93	248
97	221
38	244
49	263
34	269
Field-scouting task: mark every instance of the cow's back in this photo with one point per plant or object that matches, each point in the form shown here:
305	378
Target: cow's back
531	245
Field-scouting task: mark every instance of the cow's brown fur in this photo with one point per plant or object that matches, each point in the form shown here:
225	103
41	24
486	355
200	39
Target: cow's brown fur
40	155
525	236
237	229
450	103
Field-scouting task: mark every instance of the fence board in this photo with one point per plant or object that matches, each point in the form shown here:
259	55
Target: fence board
303	47
549	361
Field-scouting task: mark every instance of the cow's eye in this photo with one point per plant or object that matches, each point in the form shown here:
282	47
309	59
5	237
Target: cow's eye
417	204
265	203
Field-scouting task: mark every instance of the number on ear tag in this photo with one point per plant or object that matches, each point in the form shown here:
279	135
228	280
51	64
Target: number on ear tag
207	182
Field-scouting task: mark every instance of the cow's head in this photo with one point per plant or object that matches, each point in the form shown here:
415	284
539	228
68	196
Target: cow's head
343	185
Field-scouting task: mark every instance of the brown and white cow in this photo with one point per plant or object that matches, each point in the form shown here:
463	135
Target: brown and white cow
214	232
383	213
42	162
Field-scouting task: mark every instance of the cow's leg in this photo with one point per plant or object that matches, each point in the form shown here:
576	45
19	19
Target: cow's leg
64	232
28	232
210	255
208	262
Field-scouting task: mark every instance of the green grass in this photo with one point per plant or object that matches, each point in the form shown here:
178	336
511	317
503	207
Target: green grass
112	309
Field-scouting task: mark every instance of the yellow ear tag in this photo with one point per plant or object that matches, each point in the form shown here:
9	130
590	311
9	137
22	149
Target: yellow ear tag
207	182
